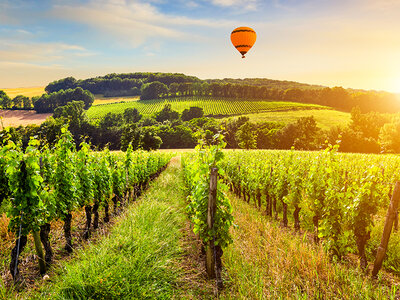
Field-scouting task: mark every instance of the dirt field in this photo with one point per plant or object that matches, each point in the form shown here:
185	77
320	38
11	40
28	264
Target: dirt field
29	91
15	118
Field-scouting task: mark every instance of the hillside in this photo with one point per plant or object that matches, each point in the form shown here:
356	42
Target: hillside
211	106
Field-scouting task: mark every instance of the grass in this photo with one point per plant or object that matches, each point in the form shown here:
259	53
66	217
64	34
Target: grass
211	106
326	118
28	91
268	262
139	259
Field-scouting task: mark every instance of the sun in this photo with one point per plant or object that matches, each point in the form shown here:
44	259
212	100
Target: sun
395	86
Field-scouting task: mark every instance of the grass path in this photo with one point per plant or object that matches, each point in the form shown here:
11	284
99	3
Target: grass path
140	258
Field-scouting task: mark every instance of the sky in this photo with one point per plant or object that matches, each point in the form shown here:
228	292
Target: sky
349	43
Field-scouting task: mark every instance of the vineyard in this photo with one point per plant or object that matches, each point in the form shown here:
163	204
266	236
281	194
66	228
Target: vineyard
41	185
335	203
211	106
341	198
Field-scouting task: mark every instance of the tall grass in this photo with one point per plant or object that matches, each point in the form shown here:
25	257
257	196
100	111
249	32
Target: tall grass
268	262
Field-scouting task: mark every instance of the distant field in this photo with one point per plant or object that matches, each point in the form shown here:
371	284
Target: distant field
28	92
100	99
215	107
15	118
326	118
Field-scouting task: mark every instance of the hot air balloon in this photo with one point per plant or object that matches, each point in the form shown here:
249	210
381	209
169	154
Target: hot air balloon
243	38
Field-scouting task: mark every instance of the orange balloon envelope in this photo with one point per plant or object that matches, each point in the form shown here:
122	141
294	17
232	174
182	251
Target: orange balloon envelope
243	38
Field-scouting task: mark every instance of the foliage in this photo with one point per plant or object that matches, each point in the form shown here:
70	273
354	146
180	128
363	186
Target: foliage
28	209
65	178
5	100
153	90
166	114
132	115
49	102
246	136
192	113
339	194
197	169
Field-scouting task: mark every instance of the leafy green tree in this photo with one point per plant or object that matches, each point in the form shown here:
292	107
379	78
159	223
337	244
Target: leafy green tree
110	120
74	112
5	101
27	103
174	89
149	139
47	103
246	136
231	127
303	135
132	115
191	113
154	90
19	101
62	84
166	114
389	138
130	136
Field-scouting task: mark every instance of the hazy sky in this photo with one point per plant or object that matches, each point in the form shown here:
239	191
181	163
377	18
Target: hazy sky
353	43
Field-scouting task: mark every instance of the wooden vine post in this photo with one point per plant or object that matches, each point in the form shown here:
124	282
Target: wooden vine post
39	252
390	218
212	206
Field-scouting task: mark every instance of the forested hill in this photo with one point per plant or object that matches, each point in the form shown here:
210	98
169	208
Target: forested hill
164	85
269	83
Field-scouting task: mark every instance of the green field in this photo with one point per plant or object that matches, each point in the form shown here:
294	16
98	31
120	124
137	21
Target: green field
326	118
211	106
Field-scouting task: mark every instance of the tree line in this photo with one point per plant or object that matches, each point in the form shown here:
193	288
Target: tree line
163	85
128	84
47	103
18	102
336	97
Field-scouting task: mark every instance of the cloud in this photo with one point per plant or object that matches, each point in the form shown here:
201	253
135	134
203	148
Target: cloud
132	22
39	53
247	5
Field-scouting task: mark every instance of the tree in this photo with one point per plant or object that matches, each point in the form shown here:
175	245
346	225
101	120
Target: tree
231	127
166	114
192	113
27	103
110	120
149	139
173	89
49	102
74	112
19	101
132	115
5	101
389	138
154	90
62	84
246	136
303	135
130	135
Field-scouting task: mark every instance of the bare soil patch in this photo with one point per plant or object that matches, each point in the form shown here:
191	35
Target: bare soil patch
15	118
